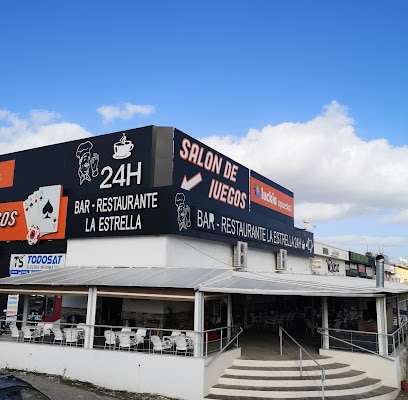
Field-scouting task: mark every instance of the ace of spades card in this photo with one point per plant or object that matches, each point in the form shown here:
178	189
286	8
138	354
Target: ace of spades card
47	202
41	209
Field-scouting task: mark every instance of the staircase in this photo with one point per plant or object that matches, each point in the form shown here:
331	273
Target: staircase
281	379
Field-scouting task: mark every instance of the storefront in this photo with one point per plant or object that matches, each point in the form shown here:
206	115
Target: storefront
150	228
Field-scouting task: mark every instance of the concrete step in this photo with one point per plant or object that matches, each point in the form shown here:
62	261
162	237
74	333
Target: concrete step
281	379
287	371
382	393
306	380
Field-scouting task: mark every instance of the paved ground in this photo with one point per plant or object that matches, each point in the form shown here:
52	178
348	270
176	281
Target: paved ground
59	389
402	395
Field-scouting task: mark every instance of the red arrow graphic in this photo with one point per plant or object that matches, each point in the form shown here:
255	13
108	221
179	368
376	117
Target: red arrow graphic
191	183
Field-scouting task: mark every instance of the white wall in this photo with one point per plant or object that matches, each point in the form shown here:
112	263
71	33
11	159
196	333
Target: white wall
297	265
332	251
172	251
260	260
173	376
375	366
195	253
143	251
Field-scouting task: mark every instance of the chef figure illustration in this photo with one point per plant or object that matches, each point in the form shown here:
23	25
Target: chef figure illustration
183	211
87	162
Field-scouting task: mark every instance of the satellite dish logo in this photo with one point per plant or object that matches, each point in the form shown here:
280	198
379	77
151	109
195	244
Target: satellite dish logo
257	190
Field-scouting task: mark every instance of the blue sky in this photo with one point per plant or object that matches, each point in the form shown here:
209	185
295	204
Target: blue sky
311	94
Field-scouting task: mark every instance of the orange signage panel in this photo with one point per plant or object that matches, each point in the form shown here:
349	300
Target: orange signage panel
271	198
13	223
7	173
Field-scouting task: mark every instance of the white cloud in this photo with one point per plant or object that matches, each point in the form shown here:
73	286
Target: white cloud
39	129
399	217
317	211
332	172
124	111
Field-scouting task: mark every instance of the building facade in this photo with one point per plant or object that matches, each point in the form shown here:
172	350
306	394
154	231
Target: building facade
151	228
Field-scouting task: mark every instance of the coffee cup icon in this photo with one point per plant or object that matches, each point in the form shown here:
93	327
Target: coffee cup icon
122	148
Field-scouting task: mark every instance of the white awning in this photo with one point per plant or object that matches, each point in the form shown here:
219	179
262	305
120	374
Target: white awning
300	285
201	279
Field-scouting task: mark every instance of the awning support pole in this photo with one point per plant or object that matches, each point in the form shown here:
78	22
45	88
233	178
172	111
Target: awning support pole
90	317
198	322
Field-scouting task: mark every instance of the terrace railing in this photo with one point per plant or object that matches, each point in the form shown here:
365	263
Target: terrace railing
368	342
204	343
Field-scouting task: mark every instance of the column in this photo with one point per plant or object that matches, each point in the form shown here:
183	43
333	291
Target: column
381	308
90	317
198	323
325	323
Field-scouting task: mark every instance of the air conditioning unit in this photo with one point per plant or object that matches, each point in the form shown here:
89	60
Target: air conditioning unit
240	255
281	260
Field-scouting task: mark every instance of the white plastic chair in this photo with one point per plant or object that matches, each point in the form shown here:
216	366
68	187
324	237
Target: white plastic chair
27	334
38	332
140	337
181	345
81	331
46	329
125	342
58	335
172	337
159	344
110	338
190	340
15	332
141	332
71	336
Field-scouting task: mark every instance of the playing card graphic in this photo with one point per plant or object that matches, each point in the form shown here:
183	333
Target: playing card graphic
41	211
48	208
28	205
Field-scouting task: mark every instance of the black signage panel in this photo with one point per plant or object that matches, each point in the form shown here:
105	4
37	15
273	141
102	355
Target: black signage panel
107	163
112	179
212	196
151	180
273	233
140	212
108	182
34	168
208	178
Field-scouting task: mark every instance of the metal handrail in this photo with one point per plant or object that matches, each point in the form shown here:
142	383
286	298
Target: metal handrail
301	349
233	339
326	332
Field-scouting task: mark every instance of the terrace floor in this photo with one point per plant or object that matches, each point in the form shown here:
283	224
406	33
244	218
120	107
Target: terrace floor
264	345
